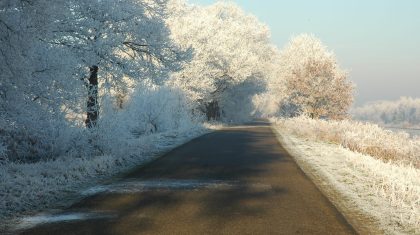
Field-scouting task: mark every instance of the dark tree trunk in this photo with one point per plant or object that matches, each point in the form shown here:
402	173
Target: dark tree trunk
92	102
213	111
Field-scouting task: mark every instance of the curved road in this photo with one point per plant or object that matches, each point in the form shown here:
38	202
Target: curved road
239	180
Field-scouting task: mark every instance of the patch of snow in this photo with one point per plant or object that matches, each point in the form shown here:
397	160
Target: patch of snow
135	186
32	221
147	185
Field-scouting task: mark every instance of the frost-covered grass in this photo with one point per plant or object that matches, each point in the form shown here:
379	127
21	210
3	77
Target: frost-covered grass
357	136
362	187
31	187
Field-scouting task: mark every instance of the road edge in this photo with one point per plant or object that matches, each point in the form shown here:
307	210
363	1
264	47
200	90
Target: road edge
332	194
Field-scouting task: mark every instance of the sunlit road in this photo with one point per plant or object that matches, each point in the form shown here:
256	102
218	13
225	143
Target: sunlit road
235	181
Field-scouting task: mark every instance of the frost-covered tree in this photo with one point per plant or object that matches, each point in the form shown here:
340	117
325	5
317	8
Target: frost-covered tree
315	84
402	112
46	50
31	88
126	40
230	48
122	38
268	103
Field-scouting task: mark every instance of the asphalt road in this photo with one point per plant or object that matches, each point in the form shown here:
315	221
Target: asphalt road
234	181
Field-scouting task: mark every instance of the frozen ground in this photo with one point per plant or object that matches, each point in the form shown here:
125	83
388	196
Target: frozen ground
374	196
26	189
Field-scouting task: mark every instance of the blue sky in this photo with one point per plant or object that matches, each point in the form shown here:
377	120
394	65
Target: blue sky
377	41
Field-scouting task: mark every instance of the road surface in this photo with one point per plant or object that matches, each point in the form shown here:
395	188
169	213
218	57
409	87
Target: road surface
239	180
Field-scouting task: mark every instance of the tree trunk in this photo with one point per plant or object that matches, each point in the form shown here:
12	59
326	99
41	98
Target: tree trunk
92	102
213	110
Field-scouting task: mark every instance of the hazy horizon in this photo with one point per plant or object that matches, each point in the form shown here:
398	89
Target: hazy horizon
376	41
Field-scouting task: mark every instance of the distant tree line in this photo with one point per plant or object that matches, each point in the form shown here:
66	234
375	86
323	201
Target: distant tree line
402	112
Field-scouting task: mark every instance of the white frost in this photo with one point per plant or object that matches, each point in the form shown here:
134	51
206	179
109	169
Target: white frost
138	185
32	221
